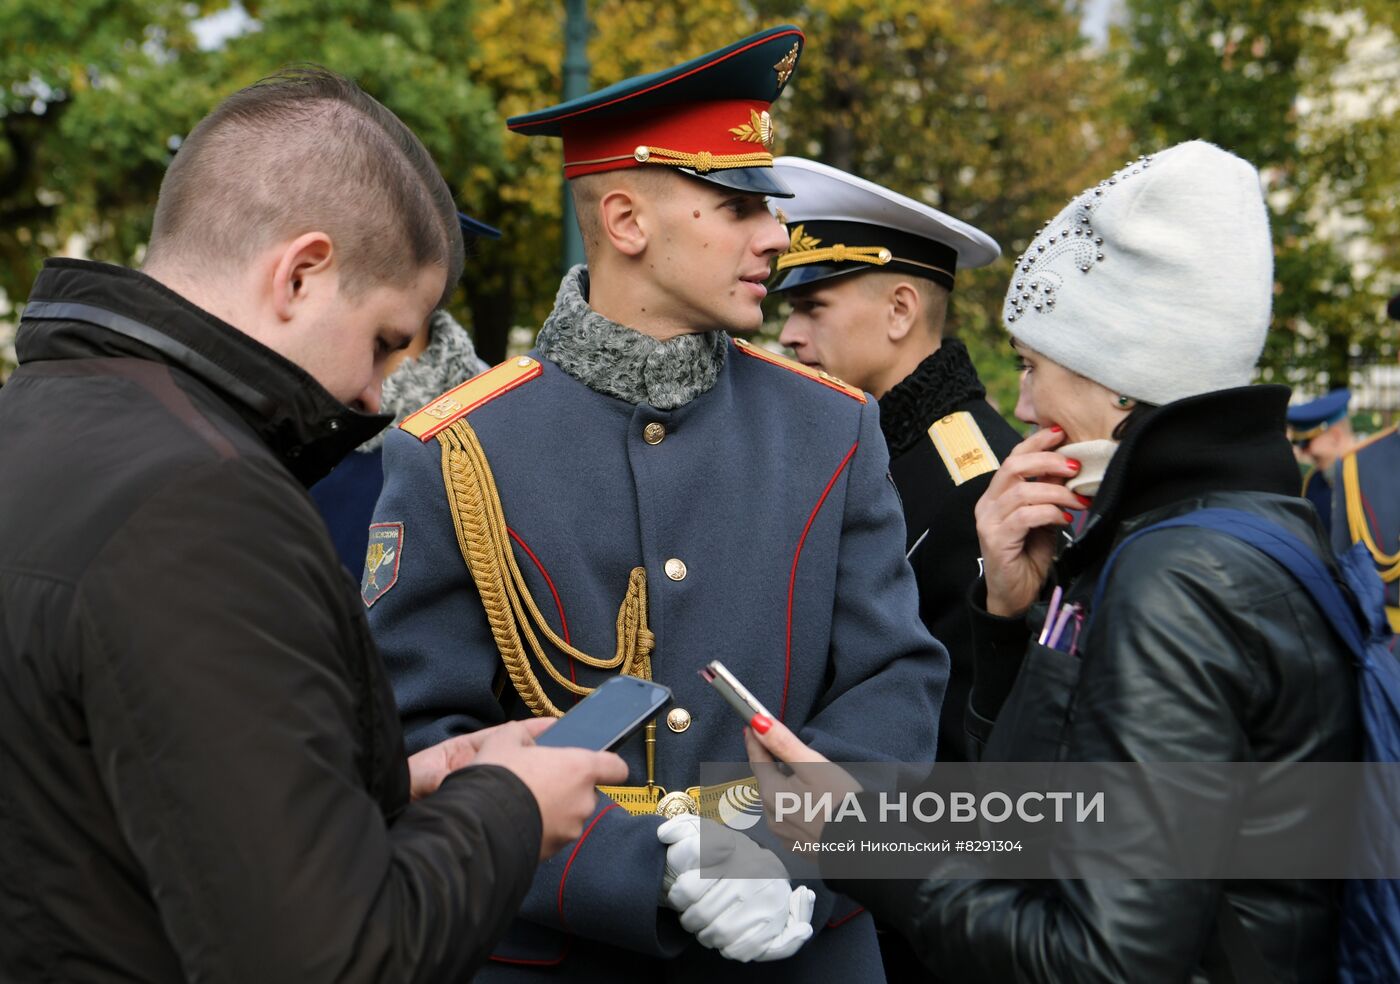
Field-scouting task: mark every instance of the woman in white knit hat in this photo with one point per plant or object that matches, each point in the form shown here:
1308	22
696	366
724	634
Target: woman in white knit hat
1139	312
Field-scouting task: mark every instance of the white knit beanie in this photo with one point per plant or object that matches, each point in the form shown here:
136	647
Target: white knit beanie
1156	283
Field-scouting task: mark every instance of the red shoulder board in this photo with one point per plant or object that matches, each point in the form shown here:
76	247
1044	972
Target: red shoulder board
475	392
792	365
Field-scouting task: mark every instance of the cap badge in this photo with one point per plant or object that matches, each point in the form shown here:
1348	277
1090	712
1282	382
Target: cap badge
759	129
801	241
784	68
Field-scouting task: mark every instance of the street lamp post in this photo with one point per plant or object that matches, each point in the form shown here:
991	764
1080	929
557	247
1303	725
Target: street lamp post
575	85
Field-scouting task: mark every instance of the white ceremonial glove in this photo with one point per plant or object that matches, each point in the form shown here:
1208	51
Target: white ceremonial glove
751	918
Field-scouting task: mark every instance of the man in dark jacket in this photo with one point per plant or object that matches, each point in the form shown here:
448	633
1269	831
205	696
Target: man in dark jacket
203	771
868	275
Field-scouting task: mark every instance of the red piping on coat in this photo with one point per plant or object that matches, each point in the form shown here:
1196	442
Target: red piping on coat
573	854
844	919
792	577
563	622
562	880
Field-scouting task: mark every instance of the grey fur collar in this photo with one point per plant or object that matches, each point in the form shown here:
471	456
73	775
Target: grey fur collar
449	359
618	361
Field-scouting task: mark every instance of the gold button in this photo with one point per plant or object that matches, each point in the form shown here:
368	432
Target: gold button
675	569
525	363
678	720
654	432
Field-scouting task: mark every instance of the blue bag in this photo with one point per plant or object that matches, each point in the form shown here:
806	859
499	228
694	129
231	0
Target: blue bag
1369	938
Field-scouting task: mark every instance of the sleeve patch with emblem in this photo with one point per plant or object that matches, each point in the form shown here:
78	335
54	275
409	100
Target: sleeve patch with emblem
963	447
381	561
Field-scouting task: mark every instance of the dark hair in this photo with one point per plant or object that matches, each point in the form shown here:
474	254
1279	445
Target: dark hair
1136	416
301	151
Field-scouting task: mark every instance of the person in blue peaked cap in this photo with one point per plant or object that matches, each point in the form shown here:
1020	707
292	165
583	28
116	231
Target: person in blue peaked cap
643	493
1321	435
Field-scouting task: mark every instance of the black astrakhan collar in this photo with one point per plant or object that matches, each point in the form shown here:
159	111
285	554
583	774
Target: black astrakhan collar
942	382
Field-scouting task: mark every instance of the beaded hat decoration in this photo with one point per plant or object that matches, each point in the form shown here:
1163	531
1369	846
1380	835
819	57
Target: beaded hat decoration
1034	285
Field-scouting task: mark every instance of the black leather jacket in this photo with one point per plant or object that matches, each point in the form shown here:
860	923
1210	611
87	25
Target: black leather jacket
1201	649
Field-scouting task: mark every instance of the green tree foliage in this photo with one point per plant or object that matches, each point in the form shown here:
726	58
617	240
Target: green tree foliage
993	112
95	96
1285	84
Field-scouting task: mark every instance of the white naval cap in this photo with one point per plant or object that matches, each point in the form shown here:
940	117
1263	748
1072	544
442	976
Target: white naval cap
840	224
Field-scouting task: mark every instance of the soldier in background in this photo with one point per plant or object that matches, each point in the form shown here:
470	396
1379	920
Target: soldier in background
1321	434
868	274
1367	510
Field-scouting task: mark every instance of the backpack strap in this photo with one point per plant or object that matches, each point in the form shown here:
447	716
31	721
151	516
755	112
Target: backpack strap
1283	547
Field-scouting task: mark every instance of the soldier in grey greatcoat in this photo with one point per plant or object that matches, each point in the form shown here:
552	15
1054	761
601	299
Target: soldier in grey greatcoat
643	493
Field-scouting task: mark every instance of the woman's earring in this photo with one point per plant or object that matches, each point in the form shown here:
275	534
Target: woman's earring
1126	403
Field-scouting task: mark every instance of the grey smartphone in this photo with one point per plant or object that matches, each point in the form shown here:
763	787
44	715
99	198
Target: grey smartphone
608	716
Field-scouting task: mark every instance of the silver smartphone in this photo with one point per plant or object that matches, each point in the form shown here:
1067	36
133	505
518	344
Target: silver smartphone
734	692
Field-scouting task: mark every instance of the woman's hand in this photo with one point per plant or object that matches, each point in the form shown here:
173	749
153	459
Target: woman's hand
813	776
1019	519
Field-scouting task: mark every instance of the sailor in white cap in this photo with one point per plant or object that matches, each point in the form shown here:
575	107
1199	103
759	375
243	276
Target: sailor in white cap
868	275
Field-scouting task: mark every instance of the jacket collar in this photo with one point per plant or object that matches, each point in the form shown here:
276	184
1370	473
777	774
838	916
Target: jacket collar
83	310
620	362
1224	441
941	383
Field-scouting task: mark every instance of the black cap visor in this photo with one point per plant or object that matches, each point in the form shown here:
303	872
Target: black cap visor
757	180
811	273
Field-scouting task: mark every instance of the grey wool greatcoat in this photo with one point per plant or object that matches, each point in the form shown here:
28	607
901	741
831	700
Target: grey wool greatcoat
772	488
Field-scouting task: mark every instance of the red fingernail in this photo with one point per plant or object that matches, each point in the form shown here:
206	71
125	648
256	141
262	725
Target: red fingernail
1084	500
1067	516
1056	429
761	723
1073	464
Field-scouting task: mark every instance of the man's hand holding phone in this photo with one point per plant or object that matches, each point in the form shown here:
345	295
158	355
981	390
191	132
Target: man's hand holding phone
562	780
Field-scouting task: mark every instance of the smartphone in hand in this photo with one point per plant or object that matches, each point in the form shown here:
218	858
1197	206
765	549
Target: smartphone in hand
608	716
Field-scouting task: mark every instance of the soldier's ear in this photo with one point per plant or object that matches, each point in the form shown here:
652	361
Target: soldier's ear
905	310
620	213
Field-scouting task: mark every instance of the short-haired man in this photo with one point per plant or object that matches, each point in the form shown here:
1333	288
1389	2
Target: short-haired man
204	776
868	275
1321	435
643	494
